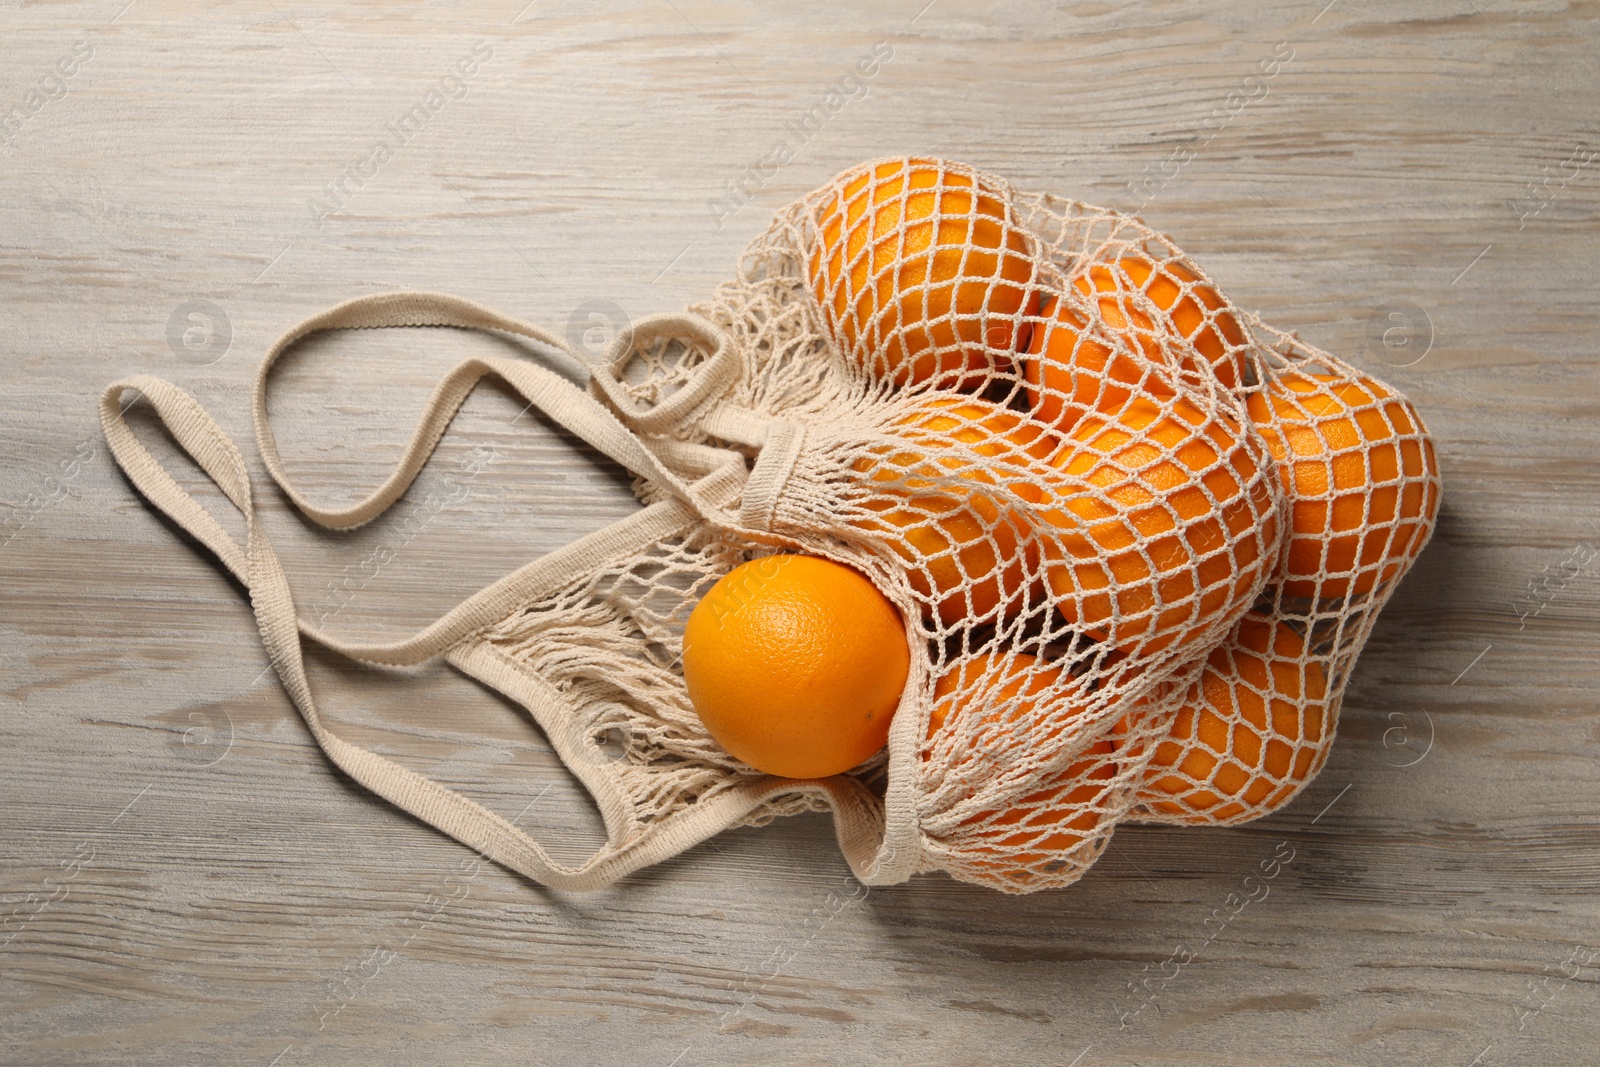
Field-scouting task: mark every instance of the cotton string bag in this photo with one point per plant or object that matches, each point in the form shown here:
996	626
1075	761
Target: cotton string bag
1034	425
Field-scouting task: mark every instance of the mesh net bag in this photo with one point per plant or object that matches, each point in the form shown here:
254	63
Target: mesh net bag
1136	536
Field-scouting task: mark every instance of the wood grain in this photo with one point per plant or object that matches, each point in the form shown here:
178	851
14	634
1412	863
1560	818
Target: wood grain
230	898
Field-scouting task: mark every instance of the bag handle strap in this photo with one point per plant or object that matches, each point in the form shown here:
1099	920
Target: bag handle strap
721	475
200	436
568	405
257	567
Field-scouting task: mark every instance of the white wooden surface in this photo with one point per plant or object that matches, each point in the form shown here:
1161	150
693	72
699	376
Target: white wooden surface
231	899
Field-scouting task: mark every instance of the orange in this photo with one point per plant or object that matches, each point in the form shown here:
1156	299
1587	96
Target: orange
1186	307
1168	524
967	552
1075	366
1253	729
1075	369
795	665
1361	478
957	441
921	273
988	429
964	560
1016	693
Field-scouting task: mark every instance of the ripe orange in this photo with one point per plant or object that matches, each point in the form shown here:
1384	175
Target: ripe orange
1168	526
1183	303
965	560
967	551
939	436
921	273
795	665
1184	309
1073	369
1361	478
1251	732
988	429
1014	694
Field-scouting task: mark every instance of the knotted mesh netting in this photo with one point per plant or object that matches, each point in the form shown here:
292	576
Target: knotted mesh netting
1137	536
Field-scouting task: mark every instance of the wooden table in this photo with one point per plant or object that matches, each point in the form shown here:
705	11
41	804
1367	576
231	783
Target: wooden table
186	880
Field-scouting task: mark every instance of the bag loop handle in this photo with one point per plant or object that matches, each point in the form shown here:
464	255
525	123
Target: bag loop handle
568	405
706	380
